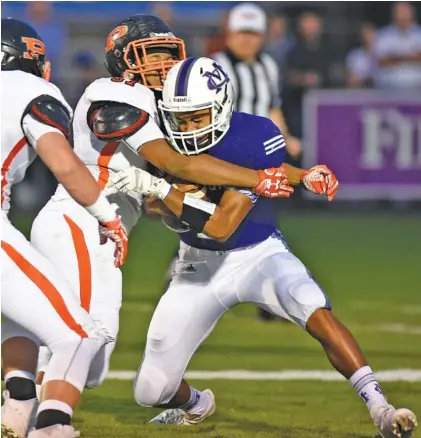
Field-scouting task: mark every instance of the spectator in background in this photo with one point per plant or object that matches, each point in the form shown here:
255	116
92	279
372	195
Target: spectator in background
308	65
254	74
279	41
41	16
360	62
397	50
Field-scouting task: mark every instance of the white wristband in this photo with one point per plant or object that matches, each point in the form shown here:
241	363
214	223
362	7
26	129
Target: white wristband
199	204
102	210
160	188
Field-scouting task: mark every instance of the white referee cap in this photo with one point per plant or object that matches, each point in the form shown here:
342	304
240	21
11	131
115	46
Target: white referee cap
247	17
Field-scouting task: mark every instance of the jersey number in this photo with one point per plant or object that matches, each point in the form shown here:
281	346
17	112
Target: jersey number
131	83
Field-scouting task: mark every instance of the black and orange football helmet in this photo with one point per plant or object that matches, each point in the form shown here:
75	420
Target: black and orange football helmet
128	44
22	49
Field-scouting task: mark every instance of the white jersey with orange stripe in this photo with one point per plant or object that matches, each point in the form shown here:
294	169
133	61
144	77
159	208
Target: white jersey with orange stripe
103	158
18	148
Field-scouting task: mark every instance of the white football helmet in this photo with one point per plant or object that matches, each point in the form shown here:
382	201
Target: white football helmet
191	85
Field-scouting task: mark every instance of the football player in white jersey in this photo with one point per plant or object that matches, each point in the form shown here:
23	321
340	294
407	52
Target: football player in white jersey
116	127
38	305
230	251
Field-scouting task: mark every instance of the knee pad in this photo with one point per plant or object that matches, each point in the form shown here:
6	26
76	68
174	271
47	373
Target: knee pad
100	366
71	362
303	299
96	376
95	380
152	387
44	357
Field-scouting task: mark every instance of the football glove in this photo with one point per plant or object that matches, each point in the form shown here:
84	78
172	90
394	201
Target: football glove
115	231
273	183
141	182
320	180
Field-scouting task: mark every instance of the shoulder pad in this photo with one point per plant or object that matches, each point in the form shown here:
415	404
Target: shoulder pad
50	111
134	94
115	121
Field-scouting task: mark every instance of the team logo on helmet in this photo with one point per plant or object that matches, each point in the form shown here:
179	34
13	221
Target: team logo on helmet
34	47
216	78
115	34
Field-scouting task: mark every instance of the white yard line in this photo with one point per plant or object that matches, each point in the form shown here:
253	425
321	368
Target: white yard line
414	309
399	328
406	375
380	306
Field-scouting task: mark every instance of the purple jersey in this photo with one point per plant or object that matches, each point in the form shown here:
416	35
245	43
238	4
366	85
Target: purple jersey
257	143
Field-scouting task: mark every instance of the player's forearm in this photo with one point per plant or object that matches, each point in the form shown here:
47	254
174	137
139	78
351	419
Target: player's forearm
294	174
202	169
155	208
219	225
207	170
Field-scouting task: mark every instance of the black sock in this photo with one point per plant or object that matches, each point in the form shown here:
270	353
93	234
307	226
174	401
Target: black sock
49	417
21	389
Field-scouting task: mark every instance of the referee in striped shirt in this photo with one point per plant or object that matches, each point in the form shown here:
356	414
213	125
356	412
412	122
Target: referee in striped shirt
254	74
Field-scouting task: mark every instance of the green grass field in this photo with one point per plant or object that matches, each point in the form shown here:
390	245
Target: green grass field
370	265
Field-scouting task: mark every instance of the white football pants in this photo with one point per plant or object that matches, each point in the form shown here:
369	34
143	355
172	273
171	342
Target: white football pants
67	235
37	303
205	285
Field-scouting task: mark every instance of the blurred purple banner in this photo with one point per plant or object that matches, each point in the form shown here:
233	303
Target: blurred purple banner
370	139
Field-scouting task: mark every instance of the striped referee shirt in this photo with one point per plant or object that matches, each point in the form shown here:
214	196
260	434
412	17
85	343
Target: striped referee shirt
256	85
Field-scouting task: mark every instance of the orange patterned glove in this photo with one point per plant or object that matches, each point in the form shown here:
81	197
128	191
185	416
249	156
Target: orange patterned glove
273	183
115	231
320	180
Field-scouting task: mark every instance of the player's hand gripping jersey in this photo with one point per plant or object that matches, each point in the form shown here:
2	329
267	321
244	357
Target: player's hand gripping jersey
31	107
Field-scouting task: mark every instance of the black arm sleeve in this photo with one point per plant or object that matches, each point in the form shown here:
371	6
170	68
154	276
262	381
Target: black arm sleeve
114	120
50	111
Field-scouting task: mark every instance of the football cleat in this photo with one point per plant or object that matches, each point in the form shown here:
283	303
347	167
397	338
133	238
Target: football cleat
55	431
15	416
182	418
394	423
170	416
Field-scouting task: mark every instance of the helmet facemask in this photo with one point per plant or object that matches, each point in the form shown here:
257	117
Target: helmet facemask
135	57
199	140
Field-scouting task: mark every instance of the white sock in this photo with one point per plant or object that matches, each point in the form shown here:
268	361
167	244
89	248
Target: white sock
56	405
38	390
367	387
198	402
19	373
